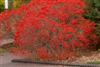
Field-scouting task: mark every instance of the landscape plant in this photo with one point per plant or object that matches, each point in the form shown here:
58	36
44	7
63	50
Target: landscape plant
51	29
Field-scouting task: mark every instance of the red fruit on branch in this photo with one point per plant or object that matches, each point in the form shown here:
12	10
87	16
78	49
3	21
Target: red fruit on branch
48	28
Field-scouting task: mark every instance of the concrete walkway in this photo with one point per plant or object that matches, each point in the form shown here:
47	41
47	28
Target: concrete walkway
7	57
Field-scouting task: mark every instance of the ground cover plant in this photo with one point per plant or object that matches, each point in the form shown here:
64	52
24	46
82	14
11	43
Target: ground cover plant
50	29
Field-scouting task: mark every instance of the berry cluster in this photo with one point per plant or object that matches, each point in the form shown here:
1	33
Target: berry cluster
51	29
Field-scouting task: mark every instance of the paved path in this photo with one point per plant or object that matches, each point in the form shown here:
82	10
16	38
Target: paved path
5	61
6	58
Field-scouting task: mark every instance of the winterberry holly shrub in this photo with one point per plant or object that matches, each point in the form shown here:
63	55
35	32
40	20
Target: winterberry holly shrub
8	20
52	29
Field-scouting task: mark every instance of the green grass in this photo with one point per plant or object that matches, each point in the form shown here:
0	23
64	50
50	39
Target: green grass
2	50
94	62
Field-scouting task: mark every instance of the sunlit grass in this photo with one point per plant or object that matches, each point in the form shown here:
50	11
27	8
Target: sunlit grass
94	62
2	50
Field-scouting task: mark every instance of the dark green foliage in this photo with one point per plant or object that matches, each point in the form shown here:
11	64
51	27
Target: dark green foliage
94	62
26	1
1	6
93	13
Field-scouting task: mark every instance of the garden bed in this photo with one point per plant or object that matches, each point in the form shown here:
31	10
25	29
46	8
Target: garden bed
89	57
82	57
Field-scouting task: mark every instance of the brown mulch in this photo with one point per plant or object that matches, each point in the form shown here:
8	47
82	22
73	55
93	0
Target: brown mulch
88	56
